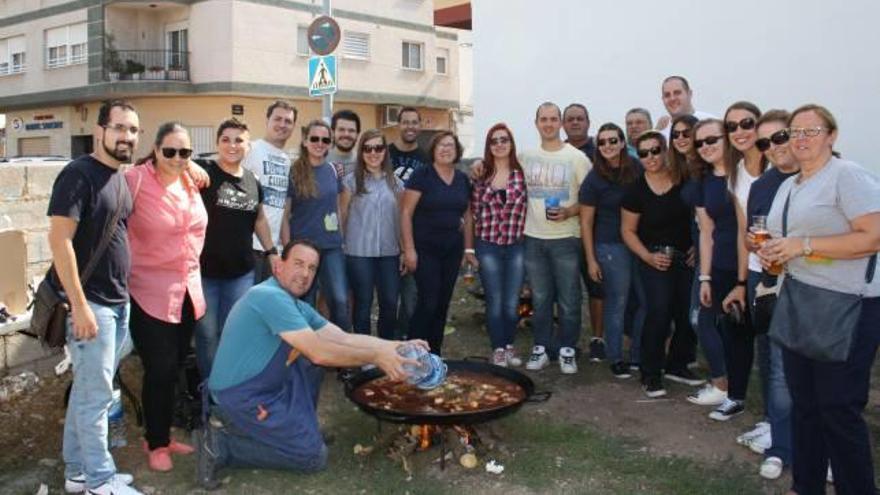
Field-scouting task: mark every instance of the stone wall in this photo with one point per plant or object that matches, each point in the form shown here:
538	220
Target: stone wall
24	198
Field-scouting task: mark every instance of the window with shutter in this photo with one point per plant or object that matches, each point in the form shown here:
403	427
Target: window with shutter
356	45
66	45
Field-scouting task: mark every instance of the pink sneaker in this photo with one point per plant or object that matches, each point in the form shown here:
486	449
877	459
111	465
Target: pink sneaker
160	459
175	447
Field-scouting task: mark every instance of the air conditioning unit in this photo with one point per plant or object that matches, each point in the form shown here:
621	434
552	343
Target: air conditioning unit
390	114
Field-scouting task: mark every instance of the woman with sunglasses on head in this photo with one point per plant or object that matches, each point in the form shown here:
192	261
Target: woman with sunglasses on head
830	212
608	260
722	274
434	208
773	435
235	213
369	206
655	227
166	232
311	212
498	205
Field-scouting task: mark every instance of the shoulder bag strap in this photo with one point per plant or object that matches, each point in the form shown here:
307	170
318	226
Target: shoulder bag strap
109	228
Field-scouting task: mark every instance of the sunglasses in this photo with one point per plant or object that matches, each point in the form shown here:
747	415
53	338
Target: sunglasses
681	134
499	140
318	139
184	153
744	124
698	143
373	148
778	138
611	141
656	150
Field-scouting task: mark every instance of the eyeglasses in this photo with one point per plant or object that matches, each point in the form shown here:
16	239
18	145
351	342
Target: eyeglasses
373	148
778	138
499	140
319	139
656	150
744	124
184	153
698	143
612	141
801	132
680	134
122	129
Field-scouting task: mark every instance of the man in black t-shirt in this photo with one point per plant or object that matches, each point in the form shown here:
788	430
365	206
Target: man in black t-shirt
85	199
406	156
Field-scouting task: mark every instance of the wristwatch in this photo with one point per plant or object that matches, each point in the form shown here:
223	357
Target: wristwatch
272	250
808	250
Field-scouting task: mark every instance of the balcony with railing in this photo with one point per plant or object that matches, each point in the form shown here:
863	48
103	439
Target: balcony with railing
146	65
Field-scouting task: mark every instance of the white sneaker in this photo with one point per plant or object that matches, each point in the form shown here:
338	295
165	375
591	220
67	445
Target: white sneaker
771	468
77	484
499	357
710	395
829	476
512	358
538	360
746	438
760	444
567	363
113	487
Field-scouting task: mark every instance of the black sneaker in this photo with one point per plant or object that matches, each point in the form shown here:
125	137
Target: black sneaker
654	387
207	456
597	350
728	409
620	370
684	376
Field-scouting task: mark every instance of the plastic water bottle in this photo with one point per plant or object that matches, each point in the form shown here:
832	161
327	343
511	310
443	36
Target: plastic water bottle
415	372
116	422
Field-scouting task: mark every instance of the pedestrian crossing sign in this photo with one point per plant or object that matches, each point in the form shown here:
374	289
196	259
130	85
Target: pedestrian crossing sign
322	75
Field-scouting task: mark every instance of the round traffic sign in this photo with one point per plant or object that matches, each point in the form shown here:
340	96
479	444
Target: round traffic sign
324	35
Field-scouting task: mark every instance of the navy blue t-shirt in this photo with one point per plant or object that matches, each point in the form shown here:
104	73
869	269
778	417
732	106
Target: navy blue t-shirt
763	191
717	199
437	219
690	194
88	191
317	219
605	195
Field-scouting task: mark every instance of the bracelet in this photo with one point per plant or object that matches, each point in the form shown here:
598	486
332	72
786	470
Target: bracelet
740	283
705	278
470	251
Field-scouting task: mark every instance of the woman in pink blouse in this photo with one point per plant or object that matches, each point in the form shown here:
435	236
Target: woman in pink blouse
498	203
166	233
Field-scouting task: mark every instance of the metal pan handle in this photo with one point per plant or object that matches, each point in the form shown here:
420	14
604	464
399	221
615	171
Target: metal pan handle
540	396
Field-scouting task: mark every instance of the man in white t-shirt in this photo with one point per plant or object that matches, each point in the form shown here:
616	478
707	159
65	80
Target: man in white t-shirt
268	160
553	253
677	95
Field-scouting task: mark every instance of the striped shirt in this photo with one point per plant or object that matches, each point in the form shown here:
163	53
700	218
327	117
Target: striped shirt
500	214
372	226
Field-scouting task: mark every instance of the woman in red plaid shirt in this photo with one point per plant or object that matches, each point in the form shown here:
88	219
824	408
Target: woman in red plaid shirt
498	203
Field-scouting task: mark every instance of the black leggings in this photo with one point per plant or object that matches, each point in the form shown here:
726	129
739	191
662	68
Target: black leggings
162	346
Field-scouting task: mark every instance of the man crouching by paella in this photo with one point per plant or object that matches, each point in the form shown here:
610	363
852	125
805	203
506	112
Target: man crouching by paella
267	374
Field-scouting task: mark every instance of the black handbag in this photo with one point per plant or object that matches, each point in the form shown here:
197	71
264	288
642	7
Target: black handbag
814	322
51	308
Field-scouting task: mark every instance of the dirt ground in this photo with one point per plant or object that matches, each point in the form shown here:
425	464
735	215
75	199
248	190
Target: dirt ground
610	412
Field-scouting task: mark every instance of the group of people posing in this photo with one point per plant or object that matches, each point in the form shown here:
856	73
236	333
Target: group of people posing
664	227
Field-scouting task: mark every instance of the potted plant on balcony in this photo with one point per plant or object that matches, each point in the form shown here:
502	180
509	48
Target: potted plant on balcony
112	63
134	69
155	72
177	73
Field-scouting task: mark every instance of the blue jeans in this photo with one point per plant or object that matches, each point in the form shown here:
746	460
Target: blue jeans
501	273
220	295
778	403
94	364
381	273
334	287
409	294
618	274
827	422
553	268
713	327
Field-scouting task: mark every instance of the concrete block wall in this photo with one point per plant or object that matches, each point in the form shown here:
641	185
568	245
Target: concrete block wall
24	198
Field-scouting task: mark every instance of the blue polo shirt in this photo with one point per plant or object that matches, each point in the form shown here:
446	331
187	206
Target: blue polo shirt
718	201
